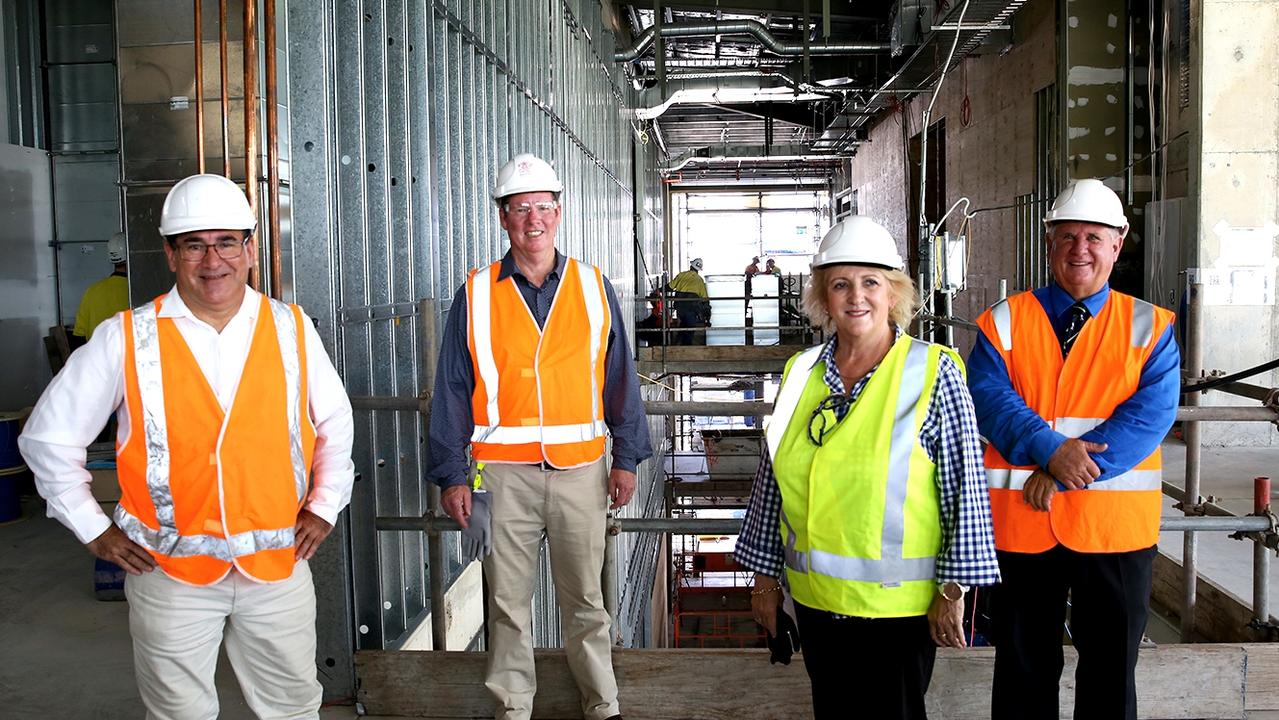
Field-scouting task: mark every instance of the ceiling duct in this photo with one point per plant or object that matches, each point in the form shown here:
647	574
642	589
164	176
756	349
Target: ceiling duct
744	27
730	87
924	67
911	21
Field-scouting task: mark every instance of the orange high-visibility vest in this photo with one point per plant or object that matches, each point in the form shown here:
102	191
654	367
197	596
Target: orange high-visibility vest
201	489
539	392
1103	370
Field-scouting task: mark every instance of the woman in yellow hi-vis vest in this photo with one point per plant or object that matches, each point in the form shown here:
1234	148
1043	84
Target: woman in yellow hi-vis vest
870	501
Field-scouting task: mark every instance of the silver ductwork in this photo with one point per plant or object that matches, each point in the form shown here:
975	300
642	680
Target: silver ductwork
744	27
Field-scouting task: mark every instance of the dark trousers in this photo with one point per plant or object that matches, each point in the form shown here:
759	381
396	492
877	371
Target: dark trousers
868	668
1109	600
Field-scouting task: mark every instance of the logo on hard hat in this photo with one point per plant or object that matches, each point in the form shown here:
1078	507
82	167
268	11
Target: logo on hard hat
523	167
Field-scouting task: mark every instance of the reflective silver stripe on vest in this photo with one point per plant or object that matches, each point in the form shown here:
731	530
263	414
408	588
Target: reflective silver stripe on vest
1143	322
1007	478
286	331
890	568
1015	479
167	541
595	317
481	313
1073	427
794	559
904	437
482	329
1003	317
549	434
155	434
788	398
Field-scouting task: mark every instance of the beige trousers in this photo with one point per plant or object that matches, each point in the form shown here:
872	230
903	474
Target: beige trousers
270	640
569	506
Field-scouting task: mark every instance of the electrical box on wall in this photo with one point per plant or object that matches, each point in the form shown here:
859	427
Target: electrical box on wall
952	251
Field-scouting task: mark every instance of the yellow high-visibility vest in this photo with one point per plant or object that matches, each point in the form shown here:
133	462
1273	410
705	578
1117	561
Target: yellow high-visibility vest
861	514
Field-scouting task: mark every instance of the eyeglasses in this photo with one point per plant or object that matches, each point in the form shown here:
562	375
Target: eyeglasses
523	210
193	251
818	426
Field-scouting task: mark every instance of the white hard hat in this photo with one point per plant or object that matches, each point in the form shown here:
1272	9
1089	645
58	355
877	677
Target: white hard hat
1087	201
205	202
696	264
117	249
858	240
526	173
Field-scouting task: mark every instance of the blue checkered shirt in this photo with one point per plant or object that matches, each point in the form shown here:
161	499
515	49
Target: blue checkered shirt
948	435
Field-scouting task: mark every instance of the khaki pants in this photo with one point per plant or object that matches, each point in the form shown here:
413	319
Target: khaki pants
270	640
570	507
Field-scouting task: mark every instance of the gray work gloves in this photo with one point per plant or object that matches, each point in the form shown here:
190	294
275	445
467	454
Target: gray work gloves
477	538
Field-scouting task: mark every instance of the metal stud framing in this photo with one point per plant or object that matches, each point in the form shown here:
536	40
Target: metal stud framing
401	113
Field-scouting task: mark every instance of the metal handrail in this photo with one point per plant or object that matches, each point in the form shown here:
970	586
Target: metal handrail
733	526
728	408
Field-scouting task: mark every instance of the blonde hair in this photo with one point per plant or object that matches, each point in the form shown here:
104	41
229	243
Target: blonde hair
813	299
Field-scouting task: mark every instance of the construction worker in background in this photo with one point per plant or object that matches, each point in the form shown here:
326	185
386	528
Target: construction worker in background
753	269
654	330
770	268
534	372
107	296
692	303
1075	385
234	459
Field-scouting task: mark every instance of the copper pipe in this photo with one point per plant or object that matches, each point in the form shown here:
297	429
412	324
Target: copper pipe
272	149
251	118
226	103
199	86
251	103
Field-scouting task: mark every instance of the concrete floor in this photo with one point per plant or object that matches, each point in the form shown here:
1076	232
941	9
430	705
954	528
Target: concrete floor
66	655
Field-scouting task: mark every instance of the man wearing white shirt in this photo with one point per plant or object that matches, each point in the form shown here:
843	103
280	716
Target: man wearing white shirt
234	457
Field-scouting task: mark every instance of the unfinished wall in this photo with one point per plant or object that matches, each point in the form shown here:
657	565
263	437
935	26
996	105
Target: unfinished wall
1235	173
990	160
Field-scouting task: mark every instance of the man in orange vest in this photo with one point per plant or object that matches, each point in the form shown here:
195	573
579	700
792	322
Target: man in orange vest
1075	386
534	372
234	460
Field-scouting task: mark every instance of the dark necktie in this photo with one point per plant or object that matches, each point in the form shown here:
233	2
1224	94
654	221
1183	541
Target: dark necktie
1077	315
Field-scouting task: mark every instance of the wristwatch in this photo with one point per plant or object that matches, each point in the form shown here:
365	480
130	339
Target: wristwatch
952	591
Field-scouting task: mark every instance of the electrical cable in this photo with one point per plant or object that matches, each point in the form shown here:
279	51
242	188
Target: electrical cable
1218	381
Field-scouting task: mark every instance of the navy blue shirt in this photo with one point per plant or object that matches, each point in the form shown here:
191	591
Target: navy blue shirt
1133	430
449	434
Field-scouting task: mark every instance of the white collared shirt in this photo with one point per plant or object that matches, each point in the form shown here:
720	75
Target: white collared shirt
76	406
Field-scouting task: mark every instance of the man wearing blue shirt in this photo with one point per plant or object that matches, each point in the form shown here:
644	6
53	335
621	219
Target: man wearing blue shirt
1075	386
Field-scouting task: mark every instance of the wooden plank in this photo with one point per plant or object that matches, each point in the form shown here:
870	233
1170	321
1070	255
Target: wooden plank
1262	682
1174	682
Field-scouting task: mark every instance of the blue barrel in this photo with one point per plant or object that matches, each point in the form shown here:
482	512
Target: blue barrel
108	580
11	480
9	456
